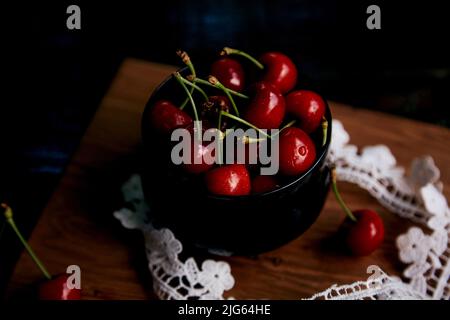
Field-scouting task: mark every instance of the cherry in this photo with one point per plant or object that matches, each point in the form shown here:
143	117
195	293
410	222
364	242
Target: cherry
229	180
366	234
279	70
261	184
199	152
57	289
267	108
165	117
364	229
308	107
54	288
297	151
229	72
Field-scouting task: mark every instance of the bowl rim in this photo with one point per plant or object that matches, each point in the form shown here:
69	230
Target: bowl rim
323	149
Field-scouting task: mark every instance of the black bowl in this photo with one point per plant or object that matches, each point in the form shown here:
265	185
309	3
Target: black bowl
244	225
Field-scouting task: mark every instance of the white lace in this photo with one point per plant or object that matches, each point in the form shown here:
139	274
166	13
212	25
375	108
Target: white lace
417	196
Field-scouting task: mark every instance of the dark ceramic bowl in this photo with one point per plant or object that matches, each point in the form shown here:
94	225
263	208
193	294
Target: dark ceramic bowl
244	225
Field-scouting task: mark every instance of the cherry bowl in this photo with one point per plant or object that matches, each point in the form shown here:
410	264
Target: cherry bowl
225	225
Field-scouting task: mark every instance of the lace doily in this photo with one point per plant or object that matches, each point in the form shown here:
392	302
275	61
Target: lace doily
417	196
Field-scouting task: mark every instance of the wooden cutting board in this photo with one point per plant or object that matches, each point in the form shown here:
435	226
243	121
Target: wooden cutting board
77	226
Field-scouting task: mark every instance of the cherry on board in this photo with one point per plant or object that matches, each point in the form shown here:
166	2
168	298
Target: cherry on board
363	229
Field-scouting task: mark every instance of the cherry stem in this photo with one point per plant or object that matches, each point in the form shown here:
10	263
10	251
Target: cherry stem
249	140
324	130
230	51
194	108
213	80
287	125
229	115
187	61
219	122
194	86
338	196
9	218
207	83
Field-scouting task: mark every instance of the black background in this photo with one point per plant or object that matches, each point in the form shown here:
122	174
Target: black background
54	78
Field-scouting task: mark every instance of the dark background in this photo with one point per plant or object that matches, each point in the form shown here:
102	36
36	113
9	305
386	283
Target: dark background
54	78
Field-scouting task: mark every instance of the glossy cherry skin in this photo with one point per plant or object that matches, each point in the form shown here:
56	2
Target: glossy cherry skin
279	70
165	117
366	234
261	184
297	152
229	180
230	73
308	107
199	153
267	107
56	289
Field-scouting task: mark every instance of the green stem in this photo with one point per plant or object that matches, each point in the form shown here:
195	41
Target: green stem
219	122
338	196
232	102
229	51
186	100
207	83
187	61
228	115
194	108
194	86
287	125
213	80
324	131
9	218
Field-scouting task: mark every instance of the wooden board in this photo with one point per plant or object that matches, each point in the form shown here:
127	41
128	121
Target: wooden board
77	226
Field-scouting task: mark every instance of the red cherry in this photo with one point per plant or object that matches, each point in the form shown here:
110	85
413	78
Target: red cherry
229	180
57	289
261	184
308	107
165	117
297	151
364	229
267	108
229	72
199	153
366	234
279	70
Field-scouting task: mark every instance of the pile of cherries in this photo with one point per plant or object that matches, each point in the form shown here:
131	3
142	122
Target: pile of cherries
268	102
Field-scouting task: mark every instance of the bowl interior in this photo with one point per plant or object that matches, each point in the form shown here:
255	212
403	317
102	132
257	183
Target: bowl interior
170	89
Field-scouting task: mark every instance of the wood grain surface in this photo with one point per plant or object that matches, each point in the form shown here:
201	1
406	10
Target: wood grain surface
77	226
